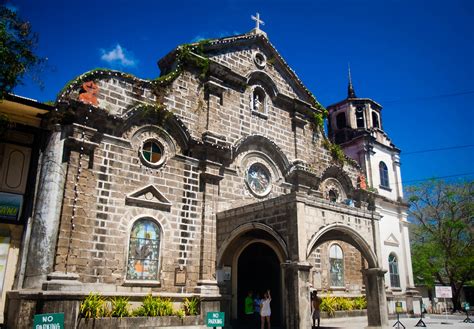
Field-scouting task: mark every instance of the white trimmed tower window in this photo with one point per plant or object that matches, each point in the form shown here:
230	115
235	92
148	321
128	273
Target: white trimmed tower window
393	269
383	170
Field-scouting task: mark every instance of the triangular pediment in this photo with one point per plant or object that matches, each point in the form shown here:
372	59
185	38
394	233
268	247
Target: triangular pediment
391	241
148	197
219	50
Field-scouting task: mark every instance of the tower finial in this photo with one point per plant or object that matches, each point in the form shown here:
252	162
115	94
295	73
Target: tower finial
350	88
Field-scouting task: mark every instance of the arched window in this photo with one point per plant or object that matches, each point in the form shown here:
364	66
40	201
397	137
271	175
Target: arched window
144	251
375	120
360	117
341	120
383	174
393	269
336	266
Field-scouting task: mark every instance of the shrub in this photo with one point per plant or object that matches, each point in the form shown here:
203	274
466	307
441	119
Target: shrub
154	306
360	303
344	304
191	306
93	306
329	305
120	307
180	313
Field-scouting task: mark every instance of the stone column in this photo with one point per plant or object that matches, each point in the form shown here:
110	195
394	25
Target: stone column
296	295
377	314
47	212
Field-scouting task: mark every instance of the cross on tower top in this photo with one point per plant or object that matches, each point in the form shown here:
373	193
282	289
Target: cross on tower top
257	20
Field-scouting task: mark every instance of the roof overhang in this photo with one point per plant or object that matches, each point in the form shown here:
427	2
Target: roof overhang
24	110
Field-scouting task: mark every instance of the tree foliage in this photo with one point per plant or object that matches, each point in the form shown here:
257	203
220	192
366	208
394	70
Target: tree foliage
17	44
442	234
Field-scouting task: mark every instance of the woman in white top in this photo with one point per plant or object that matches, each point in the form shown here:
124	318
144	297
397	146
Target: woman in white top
265	310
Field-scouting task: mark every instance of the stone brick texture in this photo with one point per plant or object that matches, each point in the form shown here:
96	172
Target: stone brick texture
199	178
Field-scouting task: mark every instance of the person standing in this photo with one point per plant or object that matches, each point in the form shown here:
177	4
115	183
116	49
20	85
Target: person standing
248	307
316	304
265	310
256	305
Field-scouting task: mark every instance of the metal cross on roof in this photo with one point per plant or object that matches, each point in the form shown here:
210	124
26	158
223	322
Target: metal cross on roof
258	21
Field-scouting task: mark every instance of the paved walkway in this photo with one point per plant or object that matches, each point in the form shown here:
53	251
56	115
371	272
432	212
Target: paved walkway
431	320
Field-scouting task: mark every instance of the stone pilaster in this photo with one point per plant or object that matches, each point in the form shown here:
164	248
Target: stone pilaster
297	295
207	283
44	233
214	95
298	124
377	314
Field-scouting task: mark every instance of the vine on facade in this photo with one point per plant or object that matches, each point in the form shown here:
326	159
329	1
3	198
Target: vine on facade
336	152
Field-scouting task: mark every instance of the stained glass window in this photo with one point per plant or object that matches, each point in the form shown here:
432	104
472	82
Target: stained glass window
259	179
144	251
152	152
393	268
336	266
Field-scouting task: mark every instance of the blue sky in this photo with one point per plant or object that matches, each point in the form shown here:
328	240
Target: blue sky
415	58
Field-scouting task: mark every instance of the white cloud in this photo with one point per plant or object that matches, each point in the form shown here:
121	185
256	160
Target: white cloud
118	56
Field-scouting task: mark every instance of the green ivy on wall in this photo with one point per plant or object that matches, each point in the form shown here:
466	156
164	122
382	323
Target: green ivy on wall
335	150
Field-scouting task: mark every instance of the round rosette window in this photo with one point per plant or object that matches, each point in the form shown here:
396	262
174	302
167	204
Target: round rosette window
152	153
258	179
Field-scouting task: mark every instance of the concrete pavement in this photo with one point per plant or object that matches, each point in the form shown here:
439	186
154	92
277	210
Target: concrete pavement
432	321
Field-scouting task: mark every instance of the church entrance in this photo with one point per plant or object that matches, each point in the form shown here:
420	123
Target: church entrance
258	270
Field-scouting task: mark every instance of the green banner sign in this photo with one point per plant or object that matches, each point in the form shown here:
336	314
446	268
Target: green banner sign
10	206
215	319
49	321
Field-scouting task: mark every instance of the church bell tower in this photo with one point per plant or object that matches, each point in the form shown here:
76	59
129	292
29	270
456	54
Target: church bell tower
355	124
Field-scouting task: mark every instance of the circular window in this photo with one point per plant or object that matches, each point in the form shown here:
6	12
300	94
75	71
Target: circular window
258	179
152	153
259	60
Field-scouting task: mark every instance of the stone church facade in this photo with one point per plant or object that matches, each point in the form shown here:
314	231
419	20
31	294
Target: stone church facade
213	180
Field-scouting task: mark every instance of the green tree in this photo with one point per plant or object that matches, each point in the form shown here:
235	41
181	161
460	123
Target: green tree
17	44
442	234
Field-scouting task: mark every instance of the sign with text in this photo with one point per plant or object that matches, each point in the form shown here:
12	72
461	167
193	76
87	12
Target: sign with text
443	292
49	321
215	319
10	206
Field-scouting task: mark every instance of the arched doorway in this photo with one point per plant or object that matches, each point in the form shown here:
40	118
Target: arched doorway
258	269
255	253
